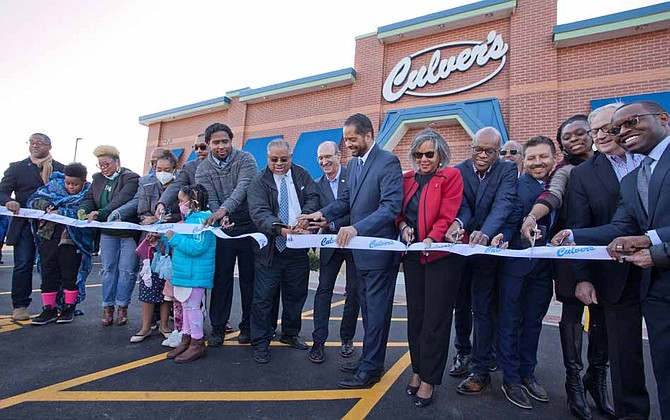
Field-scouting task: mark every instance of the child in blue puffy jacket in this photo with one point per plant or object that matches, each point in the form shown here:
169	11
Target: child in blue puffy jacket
193	259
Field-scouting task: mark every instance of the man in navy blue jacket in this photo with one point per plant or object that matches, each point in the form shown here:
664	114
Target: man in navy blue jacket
373	201
525	284
489	191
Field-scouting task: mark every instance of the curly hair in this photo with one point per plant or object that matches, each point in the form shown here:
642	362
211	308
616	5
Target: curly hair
198	196
106	150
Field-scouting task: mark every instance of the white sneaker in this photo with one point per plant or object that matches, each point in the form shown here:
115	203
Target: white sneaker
173	339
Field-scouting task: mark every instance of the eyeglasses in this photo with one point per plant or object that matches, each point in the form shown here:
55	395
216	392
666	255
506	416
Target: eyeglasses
577	133
605	129
512	152
201	146
282	159
489	152
419	155
104	165
37	143
631	122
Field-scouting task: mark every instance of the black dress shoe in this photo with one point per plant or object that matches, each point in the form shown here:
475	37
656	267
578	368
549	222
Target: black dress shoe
347	349
534	389
411	390
215	338
423	402
359	380
244	337
294	341
261	356
474	384
514	394
316	353
349	367
461	365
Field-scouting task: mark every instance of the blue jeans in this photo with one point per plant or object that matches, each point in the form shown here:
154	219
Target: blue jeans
119	269
22	276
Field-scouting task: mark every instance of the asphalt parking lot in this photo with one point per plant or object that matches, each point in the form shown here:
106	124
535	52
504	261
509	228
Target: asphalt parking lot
84	371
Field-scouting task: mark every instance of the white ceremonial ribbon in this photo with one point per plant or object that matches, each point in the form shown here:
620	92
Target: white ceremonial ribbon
587	252
182	228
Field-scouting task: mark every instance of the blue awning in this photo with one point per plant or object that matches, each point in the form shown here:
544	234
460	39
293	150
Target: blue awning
177	152
258	148
192	156
304	153
662	98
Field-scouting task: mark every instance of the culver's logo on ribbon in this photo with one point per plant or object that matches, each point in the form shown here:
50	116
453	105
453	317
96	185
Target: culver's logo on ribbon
438	69
574	250
376	243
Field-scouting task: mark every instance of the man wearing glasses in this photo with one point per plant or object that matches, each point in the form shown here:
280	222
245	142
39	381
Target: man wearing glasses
489	192
512	151
226	174
277	196
21	180
641	221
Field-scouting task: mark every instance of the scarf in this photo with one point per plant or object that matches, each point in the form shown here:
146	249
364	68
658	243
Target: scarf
45	164
55	193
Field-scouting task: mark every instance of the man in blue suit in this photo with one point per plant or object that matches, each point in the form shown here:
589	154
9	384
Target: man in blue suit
373	201
525	284
642	220
331	185
489	191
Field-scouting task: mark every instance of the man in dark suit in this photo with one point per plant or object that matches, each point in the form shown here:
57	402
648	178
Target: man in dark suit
373	201
594	193
21	180
525	286
642	219
277	196
489	191
331	185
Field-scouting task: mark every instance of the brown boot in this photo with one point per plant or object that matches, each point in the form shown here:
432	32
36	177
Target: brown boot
107	316
182	347
121	315
195	351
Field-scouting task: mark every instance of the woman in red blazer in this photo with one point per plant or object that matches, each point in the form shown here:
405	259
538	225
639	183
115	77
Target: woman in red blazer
432	196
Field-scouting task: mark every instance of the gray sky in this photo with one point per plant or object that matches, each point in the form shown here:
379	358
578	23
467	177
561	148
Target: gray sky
81	68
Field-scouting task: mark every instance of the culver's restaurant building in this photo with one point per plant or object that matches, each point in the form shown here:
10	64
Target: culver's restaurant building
503	63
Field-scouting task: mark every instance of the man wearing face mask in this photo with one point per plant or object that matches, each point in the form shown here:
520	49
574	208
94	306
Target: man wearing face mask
185	177
128	212
226	174
21	180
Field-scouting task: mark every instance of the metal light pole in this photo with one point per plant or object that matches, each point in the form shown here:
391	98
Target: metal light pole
76	143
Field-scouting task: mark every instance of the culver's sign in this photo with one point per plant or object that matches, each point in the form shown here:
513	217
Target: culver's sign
403	80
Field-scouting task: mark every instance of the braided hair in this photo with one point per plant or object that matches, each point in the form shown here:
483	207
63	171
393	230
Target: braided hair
198	196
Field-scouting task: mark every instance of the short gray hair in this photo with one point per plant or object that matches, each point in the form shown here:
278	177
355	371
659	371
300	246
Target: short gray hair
441	146
613	106
279	143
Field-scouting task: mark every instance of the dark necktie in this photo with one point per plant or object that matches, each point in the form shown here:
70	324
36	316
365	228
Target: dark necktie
280	241
643	178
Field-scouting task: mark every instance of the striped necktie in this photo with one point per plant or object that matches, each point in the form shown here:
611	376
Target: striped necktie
280	241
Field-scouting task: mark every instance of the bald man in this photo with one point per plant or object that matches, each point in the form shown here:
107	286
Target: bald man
512	151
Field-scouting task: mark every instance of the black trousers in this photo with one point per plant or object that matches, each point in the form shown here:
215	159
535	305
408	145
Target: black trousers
227	251
324	294
59	264
463	310
655	308
624	337
431	291
290	270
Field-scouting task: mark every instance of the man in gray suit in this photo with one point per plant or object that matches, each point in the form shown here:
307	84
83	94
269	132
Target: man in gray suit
331	185
373	201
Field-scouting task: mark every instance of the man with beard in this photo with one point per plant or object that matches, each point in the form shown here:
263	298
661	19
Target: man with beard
373	201
525	284
22	179
642	219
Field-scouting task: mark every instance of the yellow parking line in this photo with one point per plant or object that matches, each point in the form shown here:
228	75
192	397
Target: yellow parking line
367	403
205	395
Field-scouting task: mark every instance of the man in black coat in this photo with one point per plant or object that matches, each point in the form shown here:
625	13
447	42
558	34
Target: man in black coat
594	194
21	180
642	220
331	185
278	195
